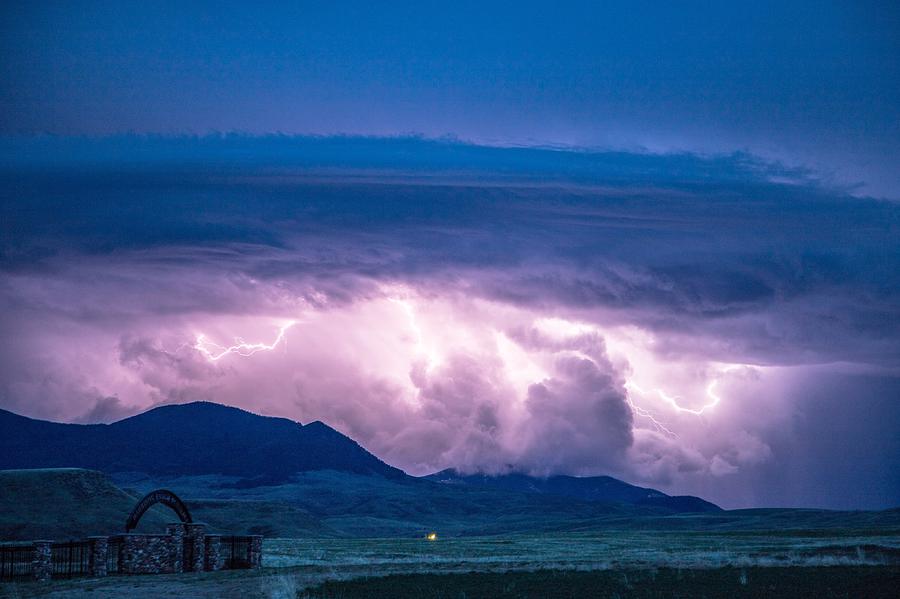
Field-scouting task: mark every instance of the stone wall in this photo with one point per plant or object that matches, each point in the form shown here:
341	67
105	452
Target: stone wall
184	548
195	547
256	552
176	548
150	554
215	558
41	567
99	552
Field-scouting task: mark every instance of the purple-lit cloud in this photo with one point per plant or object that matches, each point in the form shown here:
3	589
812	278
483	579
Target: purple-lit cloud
670	327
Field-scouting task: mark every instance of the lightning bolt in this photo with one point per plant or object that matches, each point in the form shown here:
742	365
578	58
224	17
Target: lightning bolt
713	397
659	426
215	352
635	409
644	413
710	393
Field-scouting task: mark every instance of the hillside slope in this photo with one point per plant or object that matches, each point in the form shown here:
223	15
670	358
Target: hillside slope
601	489
67	503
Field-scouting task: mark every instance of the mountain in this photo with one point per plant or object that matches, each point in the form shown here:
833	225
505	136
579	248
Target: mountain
602	489
244	473
219	457
189	439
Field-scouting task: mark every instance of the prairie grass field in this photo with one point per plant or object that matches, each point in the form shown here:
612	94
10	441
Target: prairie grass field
749	583
832	563
592	551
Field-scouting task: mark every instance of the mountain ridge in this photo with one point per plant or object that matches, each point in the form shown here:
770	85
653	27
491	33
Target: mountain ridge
201	438
192	438
601	489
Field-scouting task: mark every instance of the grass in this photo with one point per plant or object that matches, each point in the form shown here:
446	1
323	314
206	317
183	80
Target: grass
607	550
66	503
734	583
628	563
566	550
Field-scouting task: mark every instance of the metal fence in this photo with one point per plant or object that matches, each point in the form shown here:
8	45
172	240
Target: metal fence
70	558
16	562
236	550
114	555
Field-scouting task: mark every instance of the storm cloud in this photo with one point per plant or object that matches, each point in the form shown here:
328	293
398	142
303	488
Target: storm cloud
664	318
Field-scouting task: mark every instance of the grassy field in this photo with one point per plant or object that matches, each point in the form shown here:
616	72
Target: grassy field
749	583
347	530
624	564
610	550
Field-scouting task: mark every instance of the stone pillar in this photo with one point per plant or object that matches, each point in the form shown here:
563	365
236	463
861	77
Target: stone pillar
214	558
41	566
176	533
256	551
99	553
128	558
195	534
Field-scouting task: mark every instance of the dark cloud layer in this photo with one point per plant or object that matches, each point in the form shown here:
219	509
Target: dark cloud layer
115	252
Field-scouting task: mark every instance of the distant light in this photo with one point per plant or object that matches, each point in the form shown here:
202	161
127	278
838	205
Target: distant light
432	536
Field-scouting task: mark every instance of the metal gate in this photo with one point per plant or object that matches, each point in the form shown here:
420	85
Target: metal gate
70	559
237	552
16	562
114	555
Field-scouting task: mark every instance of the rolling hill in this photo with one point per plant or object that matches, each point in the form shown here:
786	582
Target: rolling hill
63	503
73	503
66	502
603	489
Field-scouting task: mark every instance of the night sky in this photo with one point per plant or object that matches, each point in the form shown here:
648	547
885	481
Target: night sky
652	242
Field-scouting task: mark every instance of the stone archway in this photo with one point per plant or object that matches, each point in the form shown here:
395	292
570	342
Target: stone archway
163	496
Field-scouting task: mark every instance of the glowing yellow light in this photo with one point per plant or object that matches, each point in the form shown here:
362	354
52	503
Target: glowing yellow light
432	536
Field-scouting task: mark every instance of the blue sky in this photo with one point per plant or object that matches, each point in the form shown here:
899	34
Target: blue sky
812	84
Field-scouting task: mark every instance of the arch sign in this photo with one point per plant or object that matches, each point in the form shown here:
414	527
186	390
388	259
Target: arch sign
162	496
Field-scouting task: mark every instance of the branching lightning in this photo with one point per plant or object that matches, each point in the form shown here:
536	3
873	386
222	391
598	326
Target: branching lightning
713	398
659	426
644	413
635	409
214	352
673	401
